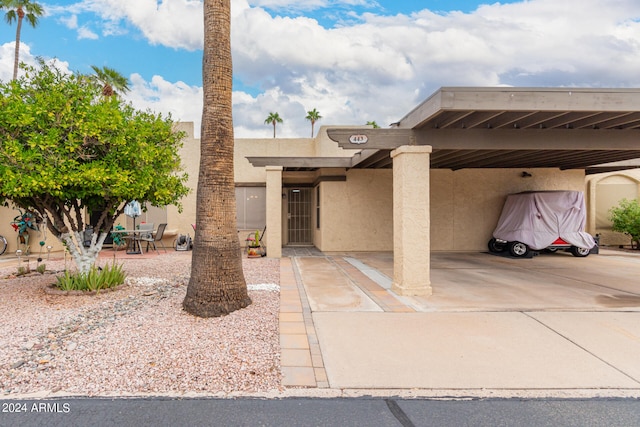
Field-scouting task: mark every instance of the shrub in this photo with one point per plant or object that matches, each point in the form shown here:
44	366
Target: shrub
94	280
626	219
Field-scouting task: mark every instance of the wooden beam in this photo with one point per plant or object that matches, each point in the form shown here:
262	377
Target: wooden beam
362	156
301	162
529	139
359	138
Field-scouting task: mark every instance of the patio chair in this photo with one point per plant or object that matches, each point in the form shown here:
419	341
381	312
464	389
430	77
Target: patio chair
155	238
146	230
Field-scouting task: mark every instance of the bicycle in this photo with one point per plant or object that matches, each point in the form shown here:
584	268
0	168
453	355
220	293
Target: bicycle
3	244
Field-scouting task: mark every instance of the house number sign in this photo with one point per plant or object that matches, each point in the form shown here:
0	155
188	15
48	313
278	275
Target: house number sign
358	139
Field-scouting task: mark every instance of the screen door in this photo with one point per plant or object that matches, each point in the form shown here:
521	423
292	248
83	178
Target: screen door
299	216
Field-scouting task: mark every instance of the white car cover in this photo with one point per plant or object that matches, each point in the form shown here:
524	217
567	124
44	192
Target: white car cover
539	218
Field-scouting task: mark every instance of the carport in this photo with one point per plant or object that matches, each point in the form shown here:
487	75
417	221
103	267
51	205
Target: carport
472	128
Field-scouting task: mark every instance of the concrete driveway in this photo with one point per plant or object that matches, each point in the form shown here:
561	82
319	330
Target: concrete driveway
481	282
553	324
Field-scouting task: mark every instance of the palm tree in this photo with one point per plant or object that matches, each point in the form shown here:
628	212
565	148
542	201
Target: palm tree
18	10
273	118
313	116
217	286
373	124
111	80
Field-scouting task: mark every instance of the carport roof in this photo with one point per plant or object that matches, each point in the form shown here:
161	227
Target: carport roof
526	108
566	128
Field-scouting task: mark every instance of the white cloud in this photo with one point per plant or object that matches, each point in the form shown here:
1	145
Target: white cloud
308	5
7	51
182	101
70	22
378	67
166	22
85	33
7	56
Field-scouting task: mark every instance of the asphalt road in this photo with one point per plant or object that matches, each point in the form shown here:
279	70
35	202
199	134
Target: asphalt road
318	412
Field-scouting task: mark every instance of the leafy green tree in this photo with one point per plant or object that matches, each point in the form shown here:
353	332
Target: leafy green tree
217	285
17	10
112	81
373	124
273	118
67	151
313	116
626	219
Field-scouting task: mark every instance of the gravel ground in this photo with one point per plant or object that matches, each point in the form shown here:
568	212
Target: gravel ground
137	339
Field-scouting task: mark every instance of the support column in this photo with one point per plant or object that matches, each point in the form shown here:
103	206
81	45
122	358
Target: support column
411	221
274	211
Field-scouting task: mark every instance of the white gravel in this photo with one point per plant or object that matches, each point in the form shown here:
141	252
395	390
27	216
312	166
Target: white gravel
137	339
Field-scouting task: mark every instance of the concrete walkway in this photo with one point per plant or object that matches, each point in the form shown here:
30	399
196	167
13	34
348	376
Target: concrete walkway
551	325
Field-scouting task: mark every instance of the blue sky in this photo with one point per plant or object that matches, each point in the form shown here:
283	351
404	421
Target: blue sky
353	60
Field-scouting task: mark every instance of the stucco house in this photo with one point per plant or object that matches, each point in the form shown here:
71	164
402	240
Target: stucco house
436	180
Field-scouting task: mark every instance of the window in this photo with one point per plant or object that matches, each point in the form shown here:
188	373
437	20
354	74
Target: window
318	207
251	208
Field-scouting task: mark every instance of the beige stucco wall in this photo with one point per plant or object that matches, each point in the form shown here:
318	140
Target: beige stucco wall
466	204
320	146
6	216
357	214
608	237
245	173
180	223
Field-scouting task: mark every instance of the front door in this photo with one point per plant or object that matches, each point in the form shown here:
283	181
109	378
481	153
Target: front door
299	216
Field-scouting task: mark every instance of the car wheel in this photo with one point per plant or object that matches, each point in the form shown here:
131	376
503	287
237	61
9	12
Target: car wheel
579	252
518	249
496	246
551	250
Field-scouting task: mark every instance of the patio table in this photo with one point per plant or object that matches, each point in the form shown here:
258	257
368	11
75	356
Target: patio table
134	245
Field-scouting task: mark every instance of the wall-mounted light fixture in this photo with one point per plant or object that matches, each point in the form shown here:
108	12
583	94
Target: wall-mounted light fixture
525	174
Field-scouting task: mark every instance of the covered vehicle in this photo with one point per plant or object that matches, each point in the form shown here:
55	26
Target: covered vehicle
540	220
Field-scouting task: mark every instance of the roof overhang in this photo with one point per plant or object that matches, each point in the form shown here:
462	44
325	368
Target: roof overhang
511	128
302	163
527	108
499	128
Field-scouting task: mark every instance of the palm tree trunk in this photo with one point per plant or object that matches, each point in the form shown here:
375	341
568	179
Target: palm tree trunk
16	60
274	129
217	285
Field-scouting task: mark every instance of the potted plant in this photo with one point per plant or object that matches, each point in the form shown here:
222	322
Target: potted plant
254	248
119	240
